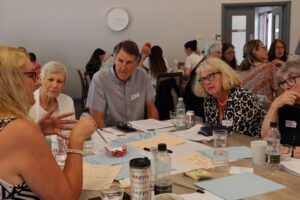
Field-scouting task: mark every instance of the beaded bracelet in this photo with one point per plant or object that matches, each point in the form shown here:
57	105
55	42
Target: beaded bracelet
75	151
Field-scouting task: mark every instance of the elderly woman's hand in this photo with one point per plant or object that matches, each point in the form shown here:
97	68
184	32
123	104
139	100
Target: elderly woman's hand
289	97
53	125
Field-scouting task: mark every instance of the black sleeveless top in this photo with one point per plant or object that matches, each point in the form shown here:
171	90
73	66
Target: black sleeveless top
7	190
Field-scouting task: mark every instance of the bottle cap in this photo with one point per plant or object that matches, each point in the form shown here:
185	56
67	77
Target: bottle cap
273	124
162	147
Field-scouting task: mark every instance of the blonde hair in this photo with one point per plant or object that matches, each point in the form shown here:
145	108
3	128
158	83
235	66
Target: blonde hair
13	98
53	67
230	77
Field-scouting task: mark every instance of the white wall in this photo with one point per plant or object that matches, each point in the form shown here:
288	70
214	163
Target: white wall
69	30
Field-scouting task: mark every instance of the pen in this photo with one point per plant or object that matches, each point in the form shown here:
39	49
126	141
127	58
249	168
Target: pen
200	190
101	136
148	149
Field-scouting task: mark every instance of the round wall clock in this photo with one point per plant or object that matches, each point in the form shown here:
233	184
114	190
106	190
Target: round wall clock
117	19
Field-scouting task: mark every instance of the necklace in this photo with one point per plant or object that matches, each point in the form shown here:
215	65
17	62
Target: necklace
222	104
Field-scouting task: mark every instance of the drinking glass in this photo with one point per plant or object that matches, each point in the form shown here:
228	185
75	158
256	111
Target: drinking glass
285	152
61	151
88	147
220	138
173	117
114	192
220	158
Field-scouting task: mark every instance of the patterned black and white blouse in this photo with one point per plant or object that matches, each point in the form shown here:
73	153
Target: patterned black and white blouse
7	190
243	109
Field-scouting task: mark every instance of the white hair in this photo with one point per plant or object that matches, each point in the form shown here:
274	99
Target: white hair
53	67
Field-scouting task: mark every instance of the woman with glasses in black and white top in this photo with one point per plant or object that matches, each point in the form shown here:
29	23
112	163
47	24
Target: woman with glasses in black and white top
225	102
285	109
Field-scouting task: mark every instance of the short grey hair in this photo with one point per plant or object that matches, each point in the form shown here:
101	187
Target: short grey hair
53	67
212	47
290	67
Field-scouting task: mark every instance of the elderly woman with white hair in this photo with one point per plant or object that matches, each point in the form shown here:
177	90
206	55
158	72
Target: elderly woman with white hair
285	109
49	96
225	102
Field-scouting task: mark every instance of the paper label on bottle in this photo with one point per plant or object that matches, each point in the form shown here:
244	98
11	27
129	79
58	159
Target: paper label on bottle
290	124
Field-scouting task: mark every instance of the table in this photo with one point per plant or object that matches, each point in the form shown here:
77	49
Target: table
291	182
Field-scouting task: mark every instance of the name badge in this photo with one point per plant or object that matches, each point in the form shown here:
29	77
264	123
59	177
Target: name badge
134	96
227	123
290	124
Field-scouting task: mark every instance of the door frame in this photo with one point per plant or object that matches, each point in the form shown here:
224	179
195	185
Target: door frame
286	5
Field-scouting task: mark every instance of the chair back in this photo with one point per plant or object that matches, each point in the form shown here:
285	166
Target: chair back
164	76
84	88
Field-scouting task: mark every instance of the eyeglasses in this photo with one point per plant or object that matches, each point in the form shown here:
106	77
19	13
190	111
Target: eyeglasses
290	81
32	75
208	77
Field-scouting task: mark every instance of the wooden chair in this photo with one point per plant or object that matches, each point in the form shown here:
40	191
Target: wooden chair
84	89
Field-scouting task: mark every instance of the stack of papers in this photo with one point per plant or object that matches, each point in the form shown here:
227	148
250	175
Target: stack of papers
292	166
149	124
240	186
234	153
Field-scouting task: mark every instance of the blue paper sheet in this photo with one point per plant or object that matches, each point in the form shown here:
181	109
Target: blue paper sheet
240	186
124	173
234	153
104	159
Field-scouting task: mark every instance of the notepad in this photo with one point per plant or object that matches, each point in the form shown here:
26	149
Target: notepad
240	186
234	153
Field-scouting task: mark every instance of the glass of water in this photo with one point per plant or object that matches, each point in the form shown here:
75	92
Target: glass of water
220	158
114	192
220	138
285	152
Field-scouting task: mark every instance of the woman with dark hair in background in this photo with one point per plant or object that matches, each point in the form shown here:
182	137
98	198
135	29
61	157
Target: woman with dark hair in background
278	54
258	75
228	55
156	63
192	58
95	62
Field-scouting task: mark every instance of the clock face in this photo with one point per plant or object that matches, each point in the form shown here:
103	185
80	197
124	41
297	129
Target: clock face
117	19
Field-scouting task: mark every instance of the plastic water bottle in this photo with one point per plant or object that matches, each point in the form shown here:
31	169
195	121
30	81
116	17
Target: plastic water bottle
180	114
272	150
162	182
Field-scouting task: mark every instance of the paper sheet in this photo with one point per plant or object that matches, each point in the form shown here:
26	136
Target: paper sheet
170	141
96	177
196	195
240	186
149	124
234	153
104	159
238	170
292	166
114	131
196	159
192	134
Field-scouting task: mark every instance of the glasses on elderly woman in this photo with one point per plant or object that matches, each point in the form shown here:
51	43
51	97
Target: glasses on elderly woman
290	81
208	77
32	74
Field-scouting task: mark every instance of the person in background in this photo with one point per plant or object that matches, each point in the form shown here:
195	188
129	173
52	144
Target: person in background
285	109
192	58
123	92
228	55
110	61
28	169
155	64
278	53
49	96
36	65
193	102
225	102
95	62
258	75
145	52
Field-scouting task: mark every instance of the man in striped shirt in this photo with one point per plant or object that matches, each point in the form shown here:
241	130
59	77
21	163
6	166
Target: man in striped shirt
121	93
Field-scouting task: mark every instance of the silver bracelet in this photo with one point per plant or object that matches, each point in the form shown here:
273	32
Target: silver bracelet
75	151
